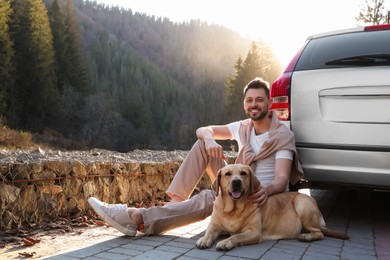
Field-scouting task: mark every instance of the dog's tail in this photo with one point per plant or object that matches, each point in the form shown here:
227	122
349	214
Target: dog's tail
333	233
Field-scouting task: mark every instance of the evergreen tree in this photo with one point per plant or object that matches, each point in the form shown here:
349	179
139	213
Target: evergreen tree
57	24
36	82
6	58
233	93
72	78
254	65
245	71
77	69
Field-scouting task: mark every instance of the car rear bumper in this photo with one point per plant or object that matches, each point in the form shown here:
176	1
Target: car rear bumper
364	167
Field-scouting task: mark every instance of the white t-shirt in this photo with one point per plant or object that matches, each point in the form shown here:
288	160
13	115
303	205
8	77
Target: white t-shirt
264	168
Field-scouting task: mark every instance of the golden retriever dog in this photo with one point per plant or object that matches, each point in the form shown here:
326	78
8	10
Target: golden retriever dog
283	216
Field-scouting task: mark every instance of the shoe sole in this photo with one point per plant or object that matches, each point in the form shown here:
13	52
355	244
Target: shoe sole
106	218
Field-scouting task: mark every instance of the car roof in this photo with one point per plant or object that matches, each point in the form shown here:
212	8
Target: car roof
377	27
335	32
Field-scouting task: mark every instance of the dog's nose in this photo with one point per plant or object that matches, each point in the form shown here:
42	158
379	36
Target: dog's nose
236	185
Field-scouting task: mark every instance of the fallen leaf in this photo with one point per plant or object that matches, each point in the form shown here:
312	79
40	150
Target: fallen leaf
28	241
100	223
25	254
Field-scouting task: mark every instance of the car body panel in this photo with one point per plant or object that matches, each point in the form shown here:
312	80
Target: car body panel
344	108
347	167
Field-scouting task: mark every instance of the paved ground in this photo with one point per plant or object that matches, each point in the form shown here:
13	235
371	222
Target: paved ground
365	217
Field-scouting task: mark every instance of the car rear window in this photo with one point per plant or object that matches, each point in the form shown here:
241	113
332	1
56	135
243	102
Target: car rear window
321	50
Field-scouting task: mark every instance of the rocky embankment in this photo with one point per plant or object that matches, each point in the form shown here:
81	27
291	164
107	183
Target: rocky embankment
38	185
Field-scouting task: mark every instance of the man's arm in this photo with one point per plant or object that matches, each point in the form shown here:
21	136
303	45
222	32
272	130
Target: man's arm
278	185
211	133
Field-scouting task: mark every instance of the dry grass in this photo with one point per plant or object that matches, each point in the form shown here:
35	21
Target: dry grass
12	139
49	139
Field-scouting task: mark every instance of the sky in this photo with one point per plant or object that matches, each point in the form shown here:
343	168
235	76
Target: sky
283	24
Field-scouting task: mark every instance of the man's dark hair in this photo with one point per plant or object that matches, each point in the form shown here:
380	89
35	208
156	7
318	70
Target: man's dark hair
258	83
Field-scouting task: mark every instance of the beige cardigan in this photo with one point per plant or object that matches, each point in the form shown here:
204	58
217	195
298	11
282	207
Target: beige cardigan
280	138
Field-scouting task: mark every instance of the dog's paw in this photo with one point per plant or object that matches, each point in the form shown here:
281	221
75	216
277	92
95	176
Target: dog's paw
305	237
203	243
312	236
225	245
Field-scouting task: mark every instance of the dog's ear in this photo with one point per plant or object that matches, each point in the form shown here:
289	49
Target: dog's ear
255	183
216	183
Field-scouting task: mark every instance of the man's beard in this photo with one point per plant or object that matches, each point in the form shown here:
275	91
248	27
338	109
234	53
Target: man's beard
259	116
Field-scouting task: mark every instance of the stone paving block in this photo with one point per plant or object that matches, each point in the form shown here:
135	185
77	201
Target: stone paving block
195	238
175	249
330	241
360	230
289	248
225	257
363	240
125	251
157	254
362	251
353	256
138	247
352	244
293	242
160	238
204	254
107	255
147	242
321	254
272	255
318	257
186	240
117	241
331	251
188	258
181	244
88	251
187	236
251	251
63	257
328	244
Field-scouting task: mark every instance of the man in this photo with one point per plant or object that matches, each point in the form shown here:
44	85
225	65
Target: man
265	144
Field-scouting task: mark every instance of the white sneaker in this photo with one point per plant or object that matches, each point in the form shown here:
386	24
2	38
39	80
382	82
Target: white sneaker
116	215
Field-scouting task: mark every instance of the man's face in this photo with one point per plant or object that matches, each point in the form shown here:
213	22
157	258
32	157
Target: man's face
256	104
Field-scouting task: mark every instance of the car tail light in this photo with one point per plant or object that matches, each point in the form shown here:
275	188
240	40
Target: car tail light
280	90
280	96
377	27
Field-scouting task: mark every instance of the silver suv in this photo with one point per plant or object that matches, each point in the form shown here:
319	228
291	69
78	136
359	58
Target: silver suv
335	96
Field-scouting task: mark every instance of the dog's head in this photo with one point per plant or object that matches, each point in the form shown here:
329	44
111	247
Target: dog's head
235	182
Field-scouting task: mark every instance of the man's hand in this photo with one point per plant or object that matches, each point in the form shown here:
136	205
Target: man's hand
278	185
214	149
259	196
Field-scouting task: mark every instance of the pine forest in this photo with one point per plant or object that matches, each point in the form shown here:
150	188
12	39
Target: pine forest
107	77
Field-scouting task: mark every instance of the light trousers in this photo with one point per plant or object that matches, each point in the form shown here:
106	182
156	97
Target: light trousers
198	207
